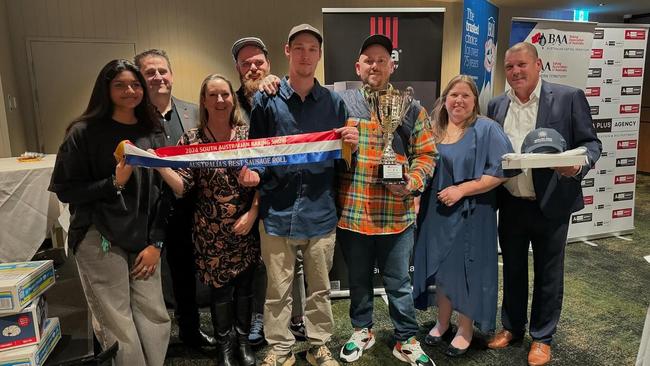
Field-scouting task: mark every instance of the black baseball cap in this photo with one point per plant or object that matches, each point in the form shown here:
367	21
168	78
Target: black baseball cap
248	41
543	140
304	28
379	39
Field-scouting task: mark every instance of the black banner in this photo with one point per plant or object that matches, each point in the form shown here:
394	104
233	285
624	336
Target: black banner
417	43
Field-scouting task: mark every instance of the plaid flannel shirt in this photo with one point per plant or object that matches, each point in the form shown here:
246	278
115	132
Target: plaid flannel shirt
366	205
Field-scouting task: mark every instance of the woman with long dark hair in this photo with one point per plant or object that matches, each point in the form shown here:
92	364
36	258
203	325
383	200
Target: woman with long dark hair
118	212
226	243
456	246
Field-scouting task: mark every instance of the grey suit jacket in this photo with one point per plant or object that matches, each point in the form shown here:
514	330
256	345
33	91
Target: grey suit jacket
566	110
188	113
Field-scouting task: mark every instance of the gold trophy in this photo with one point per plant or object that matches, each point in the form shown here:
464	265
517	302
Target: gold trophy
389	107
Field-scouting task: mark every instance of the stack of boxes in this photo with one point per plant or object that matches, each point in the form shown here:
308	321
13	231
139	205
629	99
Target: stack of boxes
27	335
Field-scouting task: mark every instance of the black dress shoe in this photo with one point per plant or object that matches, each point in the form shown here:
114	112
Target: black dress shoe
197	339
452	351
432	340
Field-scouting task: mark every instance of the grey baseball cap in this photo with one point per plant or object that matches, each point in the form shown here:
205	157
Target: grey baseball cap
304	28
248	41
379	39
543	140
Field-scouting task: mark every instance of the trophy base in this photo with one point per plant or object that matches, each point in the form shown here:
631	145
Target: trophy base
392	173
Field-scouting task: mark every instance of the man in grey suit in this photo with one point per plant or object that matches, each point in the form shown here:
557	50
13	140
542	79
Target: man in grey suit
535	206
176	117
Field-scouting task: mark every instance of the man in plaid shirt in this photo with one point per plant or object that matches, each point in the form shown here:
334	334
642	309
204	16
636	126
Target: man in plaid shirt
377	220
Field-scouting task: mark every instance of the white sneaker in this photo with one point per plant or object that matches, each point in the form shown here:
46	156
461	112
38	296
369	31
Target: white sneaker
360	341
410	352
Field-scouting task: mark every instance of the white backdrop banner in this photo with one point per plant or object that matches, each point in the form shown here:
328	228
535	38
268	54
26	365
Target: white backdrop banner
563	46
614	89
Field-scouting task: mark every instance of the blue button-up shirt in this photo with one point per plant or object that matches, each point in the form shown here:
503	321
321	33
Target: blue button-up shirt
297	201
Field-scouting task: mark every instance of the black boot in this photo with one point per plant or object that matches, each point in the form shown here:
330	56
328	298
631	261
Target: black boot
222	319
243	326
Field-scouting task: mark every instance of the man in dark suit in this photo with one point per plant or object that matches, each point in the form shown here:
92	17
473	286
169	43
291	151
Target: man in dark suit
535	206
176	117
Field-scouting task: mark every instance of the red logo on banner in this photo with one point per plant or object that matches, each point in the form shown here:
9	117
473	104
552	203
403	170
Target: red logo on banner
635	34
632	72
626	144
535	38
592	91
596	53
624	212
624	179
588	200
629	108
387	26
23	321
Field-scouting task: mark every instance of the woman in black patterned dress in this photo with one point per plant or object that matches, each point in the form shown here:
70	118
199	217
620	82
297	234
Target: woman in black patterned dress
226	246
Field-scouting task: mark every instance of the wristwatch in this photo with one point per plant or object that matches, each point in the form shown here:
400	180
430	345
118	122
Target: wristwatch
158	244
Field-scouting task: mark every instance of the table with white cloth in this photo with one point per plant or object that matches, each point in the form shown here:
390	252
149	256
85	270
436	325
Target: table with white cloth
28	211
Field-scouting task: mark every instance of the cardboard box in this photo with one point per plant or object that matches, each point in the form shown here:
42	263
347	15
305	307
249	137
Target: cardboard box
24	328
521	161
22	282
37	354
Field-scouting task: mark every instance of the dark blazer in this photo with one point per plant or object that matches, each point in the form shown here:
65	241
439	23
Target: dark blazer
566	110
188	113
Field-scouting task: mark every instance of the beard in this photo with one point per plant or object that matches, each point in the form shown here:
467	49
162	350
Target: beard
251	85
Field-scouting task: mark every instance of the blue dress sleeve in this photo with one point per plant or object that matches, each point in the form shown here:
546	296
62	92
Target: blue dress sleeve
492	143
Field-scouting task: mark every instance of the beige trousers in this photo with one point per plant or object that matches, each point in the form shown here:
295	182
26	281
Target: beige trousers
279	255
131	312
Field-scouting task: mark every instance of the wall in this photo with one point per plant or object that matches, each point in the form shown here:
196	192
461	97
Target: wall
197	34
9	88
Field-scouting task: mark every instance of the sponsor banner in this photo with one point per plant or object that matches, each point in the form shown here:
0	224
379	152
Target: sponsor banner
614	87
417	45
479	46
564	47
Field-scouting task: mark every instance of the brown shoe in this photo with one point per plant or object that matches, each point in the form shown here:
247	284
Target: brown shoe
503	339
540	354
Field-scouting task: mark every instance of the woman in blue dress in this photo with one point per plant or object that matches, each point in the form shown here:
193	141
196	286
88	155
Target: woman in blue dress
456	247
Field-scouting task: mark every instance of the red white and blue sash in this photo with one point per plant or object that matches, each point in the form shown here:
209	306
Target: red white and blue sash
273	151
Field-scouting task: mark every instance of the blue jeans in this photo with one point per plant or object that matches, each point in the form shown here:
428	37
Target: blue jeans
392	254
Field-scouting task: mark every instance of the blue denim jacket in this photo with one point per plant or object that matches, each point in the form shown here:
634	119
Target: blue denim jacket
297	201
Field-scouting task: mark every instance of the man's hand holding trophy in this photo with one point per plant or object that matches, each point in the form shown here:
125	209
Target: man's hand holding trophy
389	106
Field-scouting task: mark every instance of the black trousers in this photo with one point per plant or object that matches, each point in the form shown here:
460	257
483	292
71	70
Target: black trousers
238	288
180	257
521	222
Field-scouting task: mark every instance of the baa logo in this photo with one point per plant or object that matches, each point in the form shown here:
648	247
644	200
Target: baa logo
579	218
634	34
592	91
541	39
624	212
595	72
630	90
594	110
633	53
623	196
632	72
